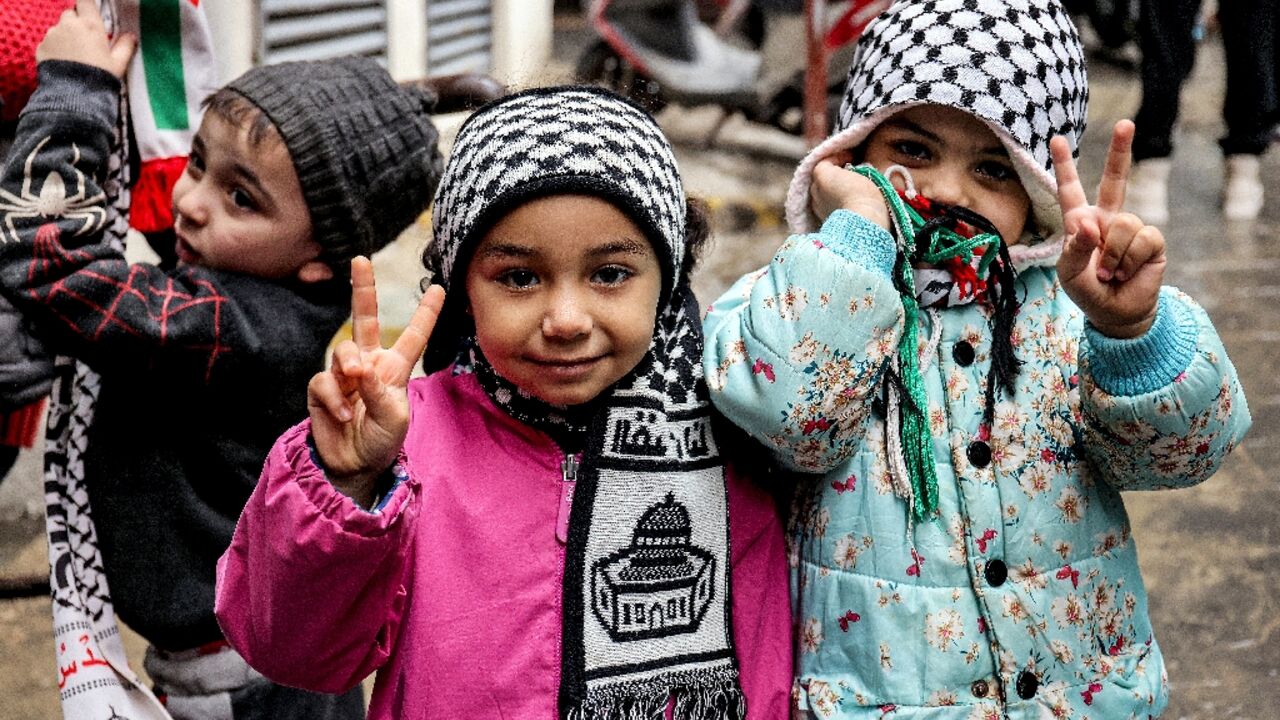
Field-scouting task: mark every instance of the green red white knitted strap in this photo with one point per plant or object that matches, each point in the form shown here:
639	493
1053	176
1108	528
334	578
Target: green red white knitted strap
912	450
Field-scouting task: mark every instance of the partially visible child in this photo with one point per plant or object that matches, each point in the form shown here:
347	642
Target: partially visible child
26	371
547	525
973	411
295	169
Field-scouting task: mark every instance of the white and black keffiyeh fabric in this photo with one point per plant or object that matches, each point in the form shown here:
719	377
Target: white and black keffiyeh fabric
94	677
531	144
647	595
1015	64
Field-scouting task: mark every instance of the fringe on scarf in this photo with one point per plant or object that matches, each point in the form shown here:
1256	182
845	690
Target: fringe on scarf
715	697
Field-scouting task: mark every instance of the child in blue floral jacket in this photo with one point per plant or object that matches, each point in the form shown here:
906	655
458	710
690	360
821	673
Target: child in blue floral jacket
976	361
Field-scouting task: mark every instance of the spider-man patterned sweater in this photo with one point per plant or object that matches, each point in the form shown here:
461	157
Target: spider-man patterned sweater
202	370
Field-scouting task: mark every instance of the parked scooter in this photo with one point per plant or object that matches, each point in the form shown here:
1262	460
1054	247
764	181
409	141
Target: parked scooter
660	51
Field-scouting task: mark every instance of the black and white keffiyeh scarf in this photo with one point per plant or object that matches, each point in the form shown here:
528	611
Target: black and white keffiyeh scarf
646	581
94	677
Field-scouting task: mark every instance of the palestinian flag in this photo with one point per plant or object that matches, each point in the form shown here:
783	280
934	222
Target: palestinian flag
173	72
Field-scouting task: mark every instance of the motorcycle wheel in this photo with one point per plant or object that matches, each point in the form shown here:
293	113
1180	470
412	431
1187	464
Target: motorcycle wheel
600	65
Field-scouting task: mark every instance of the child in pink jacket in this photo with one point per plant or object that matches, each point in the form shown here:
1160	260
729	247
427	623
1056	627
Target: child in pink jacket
545	526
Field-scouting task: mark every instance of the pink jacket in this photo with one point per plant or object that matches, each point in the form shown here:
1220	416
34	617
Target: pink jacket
452	592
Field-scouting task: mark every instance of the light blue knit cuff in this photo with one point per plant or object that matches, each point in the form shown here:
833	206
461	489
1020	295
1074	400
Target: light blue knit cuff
1124	368
860	241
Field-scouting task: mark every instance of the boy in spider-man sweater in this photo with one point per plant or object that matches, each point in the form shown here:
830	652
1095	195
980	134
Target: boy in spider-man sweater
295	169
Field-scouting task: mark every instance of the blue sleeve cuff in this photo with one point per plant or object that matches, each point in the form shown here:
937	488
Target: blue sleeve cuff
397	477
1125	368
860	241
384	487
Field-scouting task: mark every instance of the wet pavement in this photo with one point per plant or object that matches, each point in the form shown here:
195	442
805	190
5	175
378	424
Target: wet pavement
1210	555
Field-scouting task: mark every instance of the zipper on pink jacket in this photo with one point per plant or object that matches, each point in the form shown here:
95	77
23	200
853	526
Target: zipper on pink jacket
569	475
569	479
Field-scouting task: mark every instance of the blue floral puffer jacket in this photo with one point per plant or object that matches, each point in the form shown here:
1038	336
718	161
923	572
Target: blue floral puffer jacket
1022	597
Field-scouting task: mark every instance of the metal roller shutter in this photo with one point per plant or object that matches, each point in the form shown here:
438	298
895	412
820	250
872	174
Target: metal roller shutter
459	36
318	29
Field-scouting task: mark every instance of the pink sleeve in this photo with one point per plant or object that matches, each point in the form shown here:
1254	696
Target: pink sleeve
312	589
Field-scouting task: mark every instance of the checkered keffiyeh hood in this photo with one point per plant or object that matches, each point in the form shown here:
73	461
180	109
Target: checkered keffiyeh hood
557	140
1015	64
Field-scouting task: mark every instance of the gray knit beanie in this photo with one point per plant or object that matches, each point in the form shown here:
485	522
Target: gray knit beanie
1017	65
364	148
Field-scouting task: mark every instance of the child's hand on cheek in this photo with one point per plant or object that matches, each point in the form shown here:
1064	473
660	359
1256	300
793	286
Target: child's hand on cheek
1112	264
359	407
834	187
81	37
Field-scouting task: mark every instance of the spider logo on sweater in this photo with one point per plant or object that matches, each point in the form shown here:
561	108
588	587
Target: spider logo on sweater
52	202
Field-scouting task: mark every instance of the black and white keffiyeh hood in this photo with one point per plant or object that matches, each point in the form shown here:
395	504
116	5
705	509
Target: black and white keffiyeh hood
646	580
1017	65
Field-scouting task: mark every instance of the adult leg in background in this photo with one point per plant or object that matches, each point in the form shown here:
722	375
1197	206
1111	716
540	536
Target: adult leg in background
1249	37
1168	53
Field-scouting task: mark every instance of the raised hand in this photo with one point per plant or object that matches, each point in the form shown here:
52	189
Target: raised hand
80	36
833	187
1112	264
359	407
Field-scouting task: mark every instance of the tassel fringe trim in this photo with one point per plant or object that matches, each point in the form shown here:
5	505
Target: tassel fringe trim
714	695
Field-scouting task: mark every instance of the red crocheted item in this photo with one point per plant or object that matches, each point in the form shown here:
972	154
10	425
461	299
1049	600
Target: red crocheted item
23	24
924	206
964	274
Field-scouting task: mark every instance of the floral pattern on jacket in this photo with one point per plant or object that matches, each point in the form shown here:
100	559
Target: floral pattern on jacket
1021	597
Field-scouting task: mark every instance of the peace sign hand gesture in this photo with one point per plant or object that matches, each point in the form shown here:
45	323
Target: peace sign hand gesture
359	407
1112	264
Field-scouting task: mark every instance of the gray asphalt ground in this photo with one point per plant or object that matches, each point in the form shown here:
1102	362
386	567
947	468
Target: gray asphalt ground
1210	555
